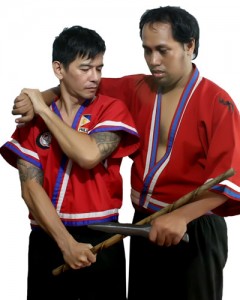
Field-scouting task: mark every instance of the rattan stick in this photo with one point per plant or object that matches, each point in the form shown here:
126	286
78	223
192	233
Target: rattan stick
177	204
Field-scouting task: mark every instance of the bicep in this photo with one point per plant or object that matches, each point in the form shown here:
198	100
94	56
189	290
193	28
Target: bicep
107	142
29	172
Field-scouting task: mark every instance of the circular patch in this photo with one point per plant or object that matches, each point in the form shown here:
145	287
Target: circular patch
44	140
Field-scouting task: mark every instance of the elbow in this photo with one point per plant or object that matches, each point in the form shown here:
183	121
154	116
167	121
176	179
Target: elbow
27	192
88	162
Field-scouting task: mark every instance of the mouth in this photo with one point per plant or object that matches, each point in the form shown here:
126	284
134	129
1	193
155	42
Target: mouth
91	89
158	73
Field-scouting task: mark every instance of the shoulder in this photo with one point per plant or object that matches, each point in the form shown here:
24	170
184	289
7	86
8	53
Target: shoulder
211	88
102	99
108	103
129	80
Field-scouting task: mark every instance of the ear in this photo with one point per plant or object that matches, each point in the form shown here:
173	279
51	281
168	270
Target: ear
189	47
58	69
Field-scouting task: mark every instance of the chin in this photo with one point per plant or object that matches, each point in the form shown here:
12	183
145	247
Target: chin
159	81
90	95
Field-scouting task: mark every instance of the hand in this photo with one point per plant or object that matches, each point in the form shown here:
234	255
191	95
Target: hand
23	106
37	100
78	255
168	229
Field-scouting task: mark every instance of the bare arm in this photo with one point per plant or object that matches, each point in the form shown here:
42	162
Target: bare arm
169	229
86	150
23	106
75	254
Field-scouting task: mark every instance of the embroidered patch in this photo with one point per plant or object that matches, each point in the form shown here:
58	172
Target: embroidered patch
227	103
44	140
85	119
82	129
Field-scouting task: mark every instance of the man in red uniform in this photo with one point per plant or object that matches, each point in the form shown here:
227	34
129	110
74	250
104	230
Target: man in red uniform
69	159
190	133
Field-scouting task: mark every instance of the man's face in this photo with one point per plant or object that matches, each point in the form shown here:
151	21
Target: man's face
168	60
82	77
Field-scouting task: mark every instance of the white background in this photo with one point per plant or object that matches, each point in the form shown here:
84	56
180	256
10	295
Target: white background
27	30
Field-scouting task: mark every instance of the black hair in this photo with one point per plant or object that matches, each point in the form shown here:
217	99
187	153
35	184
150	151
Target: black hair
77	41
185	27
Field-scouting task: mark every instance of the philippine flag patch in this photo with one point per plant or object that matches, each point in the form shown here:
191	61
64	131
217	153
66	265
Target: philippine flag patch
85	119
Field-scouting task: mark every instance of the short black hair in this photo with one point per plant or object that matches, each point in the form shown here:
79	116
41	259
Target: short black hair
185	27
77	41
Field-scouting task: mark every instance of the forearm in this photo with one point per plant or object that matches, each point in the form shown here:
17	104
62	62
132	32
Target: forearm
86	150
169	228
75	254
203	204
45	214
38	202
50	94
80	147
22	105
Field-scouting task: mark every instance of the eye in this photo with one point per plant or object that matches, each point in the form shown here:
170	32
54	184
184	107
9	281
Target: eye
163	51
147	51
84	69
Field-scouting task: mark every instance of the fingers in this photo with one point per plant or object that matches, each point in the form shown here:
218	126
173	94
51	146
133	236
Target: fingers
21	99
22	120
85	258
165	239
22	106
84	261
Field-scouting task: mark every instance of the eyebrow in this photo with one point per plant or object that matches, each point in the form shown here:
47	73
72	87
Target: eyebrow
90	65
156	47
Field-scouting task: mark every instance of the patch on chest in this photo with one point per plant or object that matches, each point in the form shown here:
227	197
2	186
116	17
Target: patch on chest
85	119
44	140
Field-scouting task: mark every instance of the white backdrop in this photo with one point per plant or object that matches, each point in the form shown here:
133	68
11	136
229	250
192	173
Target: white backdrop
27	32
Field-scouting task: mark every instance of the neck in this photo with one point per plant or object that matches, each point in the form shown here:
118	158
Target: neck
179	84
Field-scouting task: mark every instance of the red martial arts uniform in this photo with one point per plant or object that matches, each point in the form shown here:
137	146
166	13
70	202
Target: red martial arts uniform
80	197
203	142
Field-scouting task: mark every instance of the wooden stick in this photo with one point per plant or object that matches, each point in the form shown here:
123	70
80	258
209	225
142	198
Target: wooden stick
177	204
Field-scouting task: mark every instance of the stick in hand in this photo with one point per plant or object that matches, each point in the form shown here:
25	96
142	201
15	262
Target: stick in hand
177	204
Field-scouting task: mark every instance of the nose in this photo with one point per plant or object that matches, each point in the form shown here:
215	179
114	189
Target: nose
95	75
155	59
